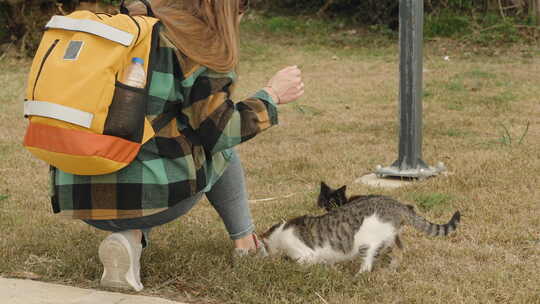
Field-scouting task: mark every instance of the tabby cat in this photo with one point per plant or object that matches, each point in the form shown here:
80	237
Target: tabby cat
361	226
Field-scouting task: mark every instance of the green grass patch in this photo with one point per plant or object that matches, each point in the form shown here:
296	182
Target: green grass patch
475	87
454	132
481	74
456	85
447	25
455	105
509	138
313	33
307	110
501	100
428	201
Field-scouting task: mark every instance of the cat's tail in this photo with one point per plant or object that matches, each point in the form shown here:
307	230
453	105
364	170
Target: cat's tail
432	229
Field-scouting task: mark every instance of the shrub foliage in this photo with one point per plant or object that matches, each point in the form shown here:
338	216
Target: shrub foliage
21	21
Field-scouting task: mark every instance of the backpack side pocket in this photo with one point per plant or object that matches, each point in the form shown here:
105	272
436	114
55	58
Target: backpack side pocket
126	115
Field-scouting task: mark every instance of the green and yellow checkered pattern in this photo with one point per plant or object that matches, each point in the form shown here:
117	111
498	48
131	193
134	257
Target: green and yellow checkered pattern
187	156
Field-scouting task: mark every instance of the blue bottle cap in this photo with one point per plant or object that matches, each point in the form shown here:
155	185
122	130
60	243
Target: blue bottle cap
137	60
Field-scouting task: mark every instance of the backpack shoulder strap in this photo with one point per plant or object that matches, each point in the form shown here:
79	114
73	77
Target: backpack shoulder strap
125	11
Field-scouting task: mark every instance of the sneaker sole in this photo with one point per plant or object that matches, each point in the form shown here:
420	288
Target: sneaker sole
116	262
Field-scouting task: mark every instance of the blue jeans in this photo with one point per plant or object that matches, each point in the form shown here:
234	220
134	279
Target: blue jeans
228	196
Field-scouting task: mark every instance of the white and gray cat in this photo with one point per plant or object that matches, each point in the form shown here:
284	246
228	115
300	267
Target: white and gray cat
360	226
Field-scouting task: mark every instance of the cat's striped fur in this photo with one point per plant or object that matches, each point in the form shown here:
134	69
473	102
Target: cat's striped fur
361	227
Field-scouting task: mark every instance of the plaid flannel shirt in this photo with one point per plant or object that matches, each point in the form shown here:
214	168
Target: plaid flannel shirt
187	155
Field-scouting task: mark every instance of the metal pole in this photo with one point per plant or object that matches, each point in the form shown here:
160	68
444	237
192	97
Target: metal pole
409	162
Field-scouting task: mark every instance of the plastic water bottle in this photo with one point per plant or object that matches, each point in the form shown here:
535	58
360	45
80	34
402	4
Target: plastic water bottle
127	110
135	76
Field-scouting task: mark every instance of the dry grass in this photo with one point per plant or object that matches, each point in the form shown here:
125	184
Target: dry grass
476	110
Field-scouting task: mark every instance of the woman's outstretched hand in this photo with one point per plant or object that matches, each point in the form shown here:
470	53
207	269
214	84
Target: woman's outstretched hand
286	85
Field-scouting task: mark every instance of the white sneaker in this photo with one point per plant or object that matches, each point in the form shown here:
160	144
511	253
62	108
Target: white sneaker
120	255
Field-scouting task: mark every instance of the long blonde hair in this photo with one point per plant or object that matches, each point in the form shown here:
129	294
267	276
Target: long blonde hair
206	31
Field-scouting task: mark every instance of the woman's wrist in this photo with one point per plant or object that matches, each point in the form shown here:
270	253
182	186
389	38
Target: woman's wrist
272	94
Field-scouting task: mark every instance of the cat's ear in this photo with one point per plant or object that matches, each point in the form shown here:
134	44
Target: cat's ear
341	191
325	189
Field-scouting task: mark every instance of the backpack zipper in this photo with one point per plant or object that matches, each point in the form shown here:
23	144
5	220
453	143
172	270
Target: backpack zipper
47	54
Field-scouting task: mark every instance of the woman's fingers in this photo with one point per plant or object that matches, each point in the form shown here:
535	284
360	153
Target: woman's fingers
287	84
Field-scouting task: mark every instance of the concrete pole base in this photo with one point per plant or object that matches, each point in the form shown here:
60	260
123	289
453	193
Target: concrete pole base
392	177
421	172
373	180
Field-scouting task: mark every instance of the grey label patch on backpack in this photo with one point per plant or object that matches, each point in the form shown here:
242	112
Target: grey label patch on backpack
73	50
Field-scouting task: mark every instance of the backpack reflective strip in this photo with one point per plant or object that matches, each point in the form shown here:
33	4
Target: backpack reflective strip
91	27
59	112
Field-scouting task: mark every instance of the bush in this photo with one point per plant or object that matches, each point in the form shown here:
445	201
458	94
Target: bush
4	31
377	12
23	23
23	20
447	25
364	12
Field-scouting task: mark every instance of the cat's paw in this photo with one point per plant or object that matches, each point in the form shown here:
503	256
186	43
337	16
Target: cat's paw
365	268
305	260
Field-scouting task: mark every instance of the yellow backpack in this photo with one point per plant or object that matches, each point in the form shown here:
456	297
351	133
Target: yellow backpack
80	120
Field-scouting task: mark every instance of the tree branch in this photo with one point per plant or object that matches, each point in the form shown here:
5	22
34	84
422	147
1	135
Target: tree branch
501	9
323	9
